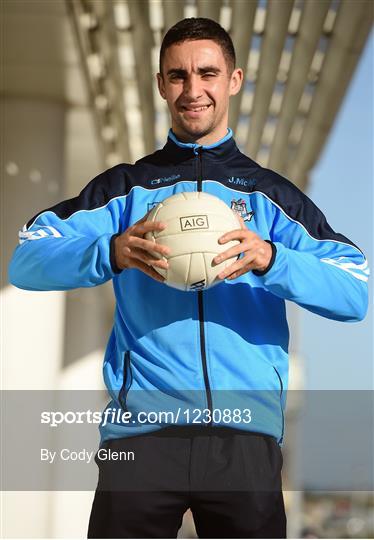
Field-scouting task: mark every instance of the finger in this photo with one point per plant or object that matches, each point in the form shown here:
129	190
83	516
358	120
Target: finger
149	246
147	226
237	266
145	217
240	219
134	260
242	224
230	269
247	268
237	234
239	273
145	257
149	271
141	228
159	263
234	251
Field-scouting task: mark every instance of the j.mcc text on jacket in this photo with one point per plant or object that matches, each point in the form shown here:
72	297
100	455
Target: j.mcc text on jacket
216	356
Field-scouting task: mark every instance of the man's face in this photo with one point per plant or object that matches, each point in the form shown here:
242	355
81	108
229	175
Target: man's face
196	85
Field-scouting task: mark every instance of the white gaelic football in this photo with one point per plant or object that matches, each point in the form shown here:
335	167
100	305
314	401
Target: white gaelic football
195	221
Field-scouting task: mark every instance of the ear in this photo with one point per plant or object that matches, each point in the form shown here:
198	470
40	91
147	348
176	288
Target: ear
236	81
161	86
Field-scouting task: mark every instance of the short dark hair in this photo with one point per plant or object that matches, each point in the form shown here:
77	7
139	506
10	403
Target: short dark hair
194	28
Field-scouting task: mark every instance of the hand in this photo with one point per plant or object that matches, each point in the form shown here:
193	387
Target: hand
134	251
256	252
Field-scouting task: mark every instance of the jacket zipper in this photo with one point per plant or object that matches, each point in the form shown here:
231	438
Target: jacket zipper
122	396
280	398
200	297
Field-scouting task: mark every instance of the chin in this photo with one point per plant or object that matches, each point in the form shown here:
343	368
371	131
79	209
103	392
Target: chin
197	129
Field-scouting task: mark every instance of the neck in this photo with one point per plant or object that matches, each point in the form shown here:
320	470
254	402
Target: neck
205	140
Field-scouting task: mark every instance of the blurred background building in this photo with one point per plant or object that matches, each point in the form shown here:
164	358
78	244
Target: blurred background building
78	95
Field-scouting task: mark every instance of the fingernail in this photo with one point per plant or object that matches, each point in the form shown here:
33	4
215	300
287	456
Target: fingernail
218	259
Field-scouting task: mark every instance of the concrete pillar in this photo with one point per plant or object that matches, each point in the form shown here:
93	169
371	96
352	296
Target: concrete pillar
32	323
50	340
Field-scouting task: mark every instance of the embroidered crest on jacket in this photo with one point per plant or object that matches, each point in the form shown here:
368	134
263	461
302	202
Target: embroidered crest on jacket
240	207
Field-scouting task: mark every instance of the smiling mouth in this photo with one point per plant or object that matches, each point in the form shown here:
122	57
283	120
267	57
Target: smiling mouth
196	109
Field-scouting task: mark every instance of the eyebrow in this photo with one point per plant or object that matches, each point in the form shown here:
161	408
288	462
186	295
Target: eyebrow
200	70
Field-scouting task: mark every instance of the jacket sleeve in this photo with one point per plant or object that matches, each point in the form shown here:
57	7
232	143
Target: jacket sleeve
69	245
319	269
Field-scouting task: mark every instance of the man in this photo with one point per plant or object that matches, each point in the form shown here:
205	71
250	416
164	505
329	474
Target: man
223	349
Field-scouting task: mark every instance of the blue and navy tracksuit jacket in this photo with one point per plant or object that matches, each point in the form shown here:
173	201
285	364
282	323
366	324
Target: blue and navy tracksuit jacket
222	348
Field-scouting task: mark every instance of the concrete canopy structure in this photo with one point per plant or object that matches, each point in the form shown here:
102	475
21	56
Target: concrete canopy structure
298	57
99	58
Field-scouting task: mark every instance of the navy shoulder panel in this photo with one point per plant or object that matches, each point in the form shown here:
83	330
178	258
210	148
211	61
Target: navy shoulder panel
158	157
99	192
297	206
160	168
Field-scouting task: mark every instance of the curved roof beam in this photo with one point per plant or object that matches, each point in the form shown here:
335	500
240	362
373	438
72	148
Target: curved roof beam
242	19
173	12
352	27
311	27
143	42
276	29
209	8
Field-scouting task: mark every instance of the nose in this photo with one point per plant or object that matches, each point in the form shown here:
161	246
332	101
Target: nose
192	87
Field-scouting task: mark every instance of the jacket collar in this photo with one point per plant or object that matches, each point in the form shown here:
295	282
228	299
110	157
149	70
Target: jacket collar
182	151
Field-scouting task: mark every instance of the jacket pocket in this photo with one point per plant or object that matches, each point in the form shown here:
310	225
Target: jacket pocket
280	401
127	381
